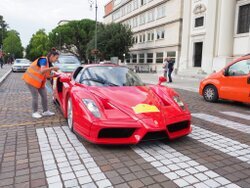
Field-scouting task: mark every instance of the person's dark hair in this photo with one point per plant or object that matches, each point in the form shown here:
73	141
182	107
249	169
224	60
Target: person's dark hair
53	52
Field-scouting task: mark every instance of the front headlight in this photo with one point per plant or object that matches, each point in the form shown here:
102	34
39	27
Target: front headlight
179	102
90	104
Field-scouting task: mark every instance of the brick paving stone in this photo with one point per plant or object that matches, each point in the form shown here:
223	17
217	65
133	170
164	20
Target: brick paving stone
38	183
116	180
129	177
136	184
23	185
123	185
21	179
147	181
7	181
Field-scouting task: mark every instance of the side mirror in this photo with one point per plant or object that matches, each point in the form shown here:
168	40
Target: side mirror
225	72
65	79
162	79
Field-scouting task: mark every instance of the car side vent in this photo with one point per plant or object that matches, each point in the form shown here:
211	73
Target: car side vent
116	133
178	126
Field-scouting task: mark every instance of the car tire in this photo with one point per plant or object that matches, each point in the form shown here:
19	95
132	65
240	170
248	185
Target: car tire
13	70
210	93
70	120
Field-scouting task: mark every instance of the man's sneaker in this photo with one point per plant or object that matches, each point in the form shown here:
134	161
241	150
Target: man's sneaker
48	113
36	115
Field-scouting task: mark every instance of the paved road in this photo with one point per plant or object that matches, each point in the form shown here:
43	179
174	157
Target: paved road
44	153
4	72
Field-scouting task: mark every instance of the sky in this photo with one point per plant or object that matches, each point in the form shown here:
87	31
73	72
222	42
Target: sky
28	16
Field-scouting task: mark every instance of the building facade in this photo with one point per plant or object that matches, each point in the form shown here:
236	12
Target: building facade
201	35
214	33
156	25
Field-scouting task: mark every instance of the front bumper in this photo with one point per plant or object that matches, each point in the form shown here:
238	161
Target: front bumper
16	69
136	131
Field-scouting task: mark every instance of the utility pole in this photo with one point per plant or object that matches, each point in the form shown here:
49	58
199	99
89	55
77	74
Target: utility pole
96	7
96	30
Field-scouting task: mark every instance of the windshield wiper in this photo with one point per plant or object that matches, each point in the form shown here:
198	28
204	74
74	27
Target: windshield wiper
100	81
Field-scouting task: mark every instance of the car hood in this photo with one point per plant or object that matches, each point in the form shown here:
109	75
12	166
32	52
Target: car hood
138	102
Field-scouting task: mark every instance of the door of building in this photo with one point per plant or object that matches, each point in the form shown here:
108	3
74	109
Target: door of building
198	46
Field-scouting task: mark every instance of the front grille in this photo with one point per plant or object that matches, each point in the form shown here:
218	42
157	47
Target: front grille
155	136
178	126
116	133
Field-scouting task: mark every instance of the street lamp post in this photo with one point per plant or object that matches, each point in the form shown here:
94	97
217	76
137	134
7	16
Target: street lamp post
60	40
91	2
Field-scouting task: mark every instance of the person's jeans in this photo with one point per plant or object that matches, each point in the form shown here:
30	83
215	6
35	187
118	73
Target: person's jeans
169	75
43	93
165	73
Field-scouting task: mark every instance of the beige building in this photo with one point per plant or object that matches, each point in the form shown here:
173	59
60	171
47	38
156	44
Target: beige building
202	35
214	33
156	25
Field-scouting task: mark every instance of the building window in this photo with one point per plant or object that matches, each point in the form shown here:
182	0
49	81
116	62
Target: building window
160	34
159	57
172	55
151	36
199	22
134	58
129	8
151	16
123	11
135	4
244	19
142	19
150	57
143	2
135	39
161	12
135	22
117	15
141	58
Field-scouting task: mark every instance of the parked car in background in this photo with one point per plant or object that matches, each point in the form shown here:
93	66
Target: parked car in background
20	65
67	63
231	83
109	104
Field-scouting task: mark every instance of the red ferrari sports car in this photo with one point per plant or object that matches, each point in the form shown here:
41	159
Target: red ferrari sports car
109	104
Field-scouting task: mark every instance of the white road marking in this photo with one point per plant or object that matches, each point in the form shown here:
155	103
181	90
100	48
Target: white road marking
238	115
223	122
66	161
221	143
179	168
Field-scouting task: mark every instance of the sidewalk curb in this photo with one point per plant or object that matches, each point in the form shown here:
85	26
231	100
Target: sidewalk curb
4	77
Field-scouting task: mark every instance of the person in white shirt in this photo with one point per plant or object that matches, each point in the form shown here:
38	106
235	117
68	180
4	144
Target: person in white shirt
165	67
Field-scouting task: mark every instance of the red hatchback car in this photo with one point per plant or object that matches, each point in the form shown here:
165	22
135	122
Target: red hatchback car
231	83
109	104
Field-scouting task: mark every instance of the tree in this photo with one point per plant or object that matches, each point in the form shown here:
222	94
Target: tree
12	44
73	34
114	40
3	31
38	45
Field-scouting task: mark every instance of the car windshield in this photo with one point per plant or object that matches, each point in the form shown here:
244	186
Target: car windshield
22	61
68	60
110	76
